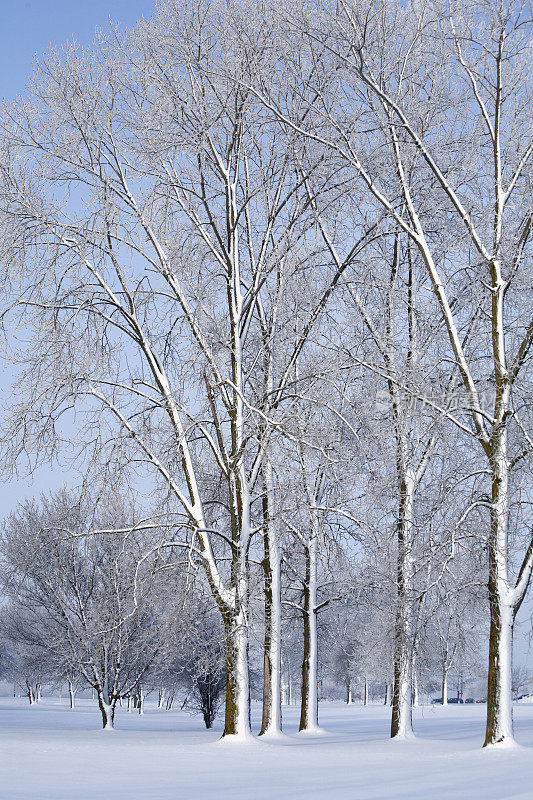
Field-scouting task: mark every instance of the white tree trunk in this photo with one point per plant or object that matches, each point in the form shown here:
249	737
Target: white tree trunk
444	691
499	689
415	689
237	712
284	687
388	694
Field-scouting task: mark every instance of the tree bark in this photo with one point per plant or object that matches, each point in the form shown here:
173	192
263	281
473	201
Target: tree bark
107	710
499	687
444	691
309	706
237	716
388	694
402	724
271	719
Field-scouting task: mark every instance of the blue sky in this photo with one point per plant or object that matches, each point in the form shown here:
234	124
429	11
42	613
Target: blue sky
31	26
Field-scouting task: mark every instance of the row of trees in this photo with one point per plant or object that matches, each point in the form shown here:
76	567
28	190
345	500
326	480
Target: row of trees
269	262
108	612
96	611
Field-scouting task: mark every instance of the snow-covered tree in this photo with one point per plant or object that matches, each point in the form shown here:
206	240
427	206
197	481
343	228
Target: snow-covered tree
82	603
426	86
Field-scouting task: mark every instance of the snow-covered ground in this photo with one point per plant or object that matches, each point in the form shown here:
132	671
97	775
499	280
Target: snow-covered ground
51	752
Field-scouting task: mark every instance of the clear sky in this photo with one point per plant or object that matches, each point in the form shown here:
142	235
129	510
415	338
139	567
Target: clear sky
31	26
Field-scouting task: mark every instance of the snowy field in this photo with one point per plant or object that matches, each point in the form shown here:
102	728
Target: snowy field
51	752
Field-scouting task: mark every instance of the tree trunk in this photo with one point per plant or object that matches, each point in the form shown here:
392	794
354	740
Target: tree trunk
444	692
499	689
287	684
161	698
237	717
309	706
349	700
388	695
107	709
71	694
271	720
414	699
365	693
284	689
402	724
